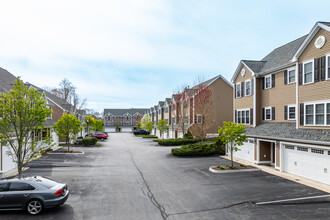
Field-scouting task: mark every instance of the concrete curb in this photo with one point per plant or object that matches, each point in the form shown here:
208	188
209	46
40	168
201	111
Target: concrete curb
66	153
233	171
311	199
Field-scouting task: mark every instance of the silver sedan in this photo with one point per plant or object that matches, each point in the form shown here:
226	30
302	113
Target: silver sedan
32	194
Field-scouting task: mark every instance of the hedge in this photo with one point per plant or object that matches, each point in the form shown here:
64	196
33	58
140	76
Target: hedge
176	142
194	150
147	136
219	147
89	141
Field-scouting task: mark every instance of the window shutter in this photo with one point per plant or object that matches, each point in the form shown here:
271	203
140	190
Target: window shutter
273	80
300	74
286	112
285	77
263	82
242	89
302	113
316	69
235	90
252	84
322	68
273	113
251	116
195	119
236	116
263	113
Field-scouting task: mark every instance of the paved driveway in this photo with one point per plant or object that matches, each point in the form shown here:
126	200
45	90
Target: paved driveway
133	178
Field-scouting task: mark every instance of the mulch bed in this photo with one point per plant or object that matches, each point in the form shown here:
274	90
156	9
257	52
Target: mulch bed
235	168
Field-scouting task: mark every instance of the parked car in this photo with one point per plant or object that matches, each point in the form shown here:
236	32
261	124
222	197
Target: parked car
104	132
99	136
33	194
141	132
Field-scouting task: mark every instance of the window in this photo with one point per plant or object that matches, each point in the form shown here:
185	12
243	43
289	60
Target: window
308	72
3	187
309	114
199	119
291	112
291	76
317	151
243	116
289	147
268	82
305	149
268	114
17	186
248	88
317	114
238	90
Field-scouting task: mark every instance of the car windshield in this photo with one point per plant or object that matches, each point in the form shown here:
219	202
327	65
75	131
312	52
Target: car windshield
46	182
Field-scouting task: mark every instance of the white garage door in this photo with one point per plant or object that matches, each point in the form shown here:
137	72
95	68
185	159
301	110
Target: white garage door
308	162
110	129
126	129
246	152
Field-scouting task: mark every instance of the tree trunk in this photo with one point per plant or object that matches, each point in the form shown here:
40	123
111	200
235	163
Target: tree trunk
231	153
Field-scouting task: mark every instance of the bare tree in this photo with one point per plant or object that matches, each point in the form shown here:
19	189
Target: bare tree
181	108
68	89
202	105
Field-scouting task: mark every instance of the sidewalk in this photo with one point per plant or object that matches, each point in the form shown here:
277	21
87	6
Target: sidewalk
298	179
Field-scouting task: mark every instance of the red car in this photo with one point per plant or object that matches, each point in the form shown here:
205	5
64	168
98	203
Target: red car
99	136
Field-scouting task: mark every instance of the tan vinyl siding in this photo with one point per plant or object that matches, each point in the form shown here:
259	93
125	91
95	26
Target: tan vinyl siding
245	101
317	91
278	97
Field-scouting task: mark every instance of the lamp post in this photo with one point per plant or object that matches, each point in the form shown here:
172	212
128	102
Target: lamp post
87	121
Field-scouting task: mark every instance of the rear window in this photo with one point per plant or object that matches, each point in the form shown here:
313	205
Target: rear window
46	182
3	187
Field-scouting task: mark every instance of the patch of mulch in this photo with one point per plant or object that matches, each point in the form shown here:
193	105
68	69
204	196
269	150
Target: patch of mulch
234	167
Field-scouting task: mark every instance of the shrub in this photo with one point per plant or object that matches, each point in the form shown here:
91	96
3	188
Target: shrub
219	147
188	135
242	165
176	142
156	140
147	136
229	166
89	141
193	150
80	137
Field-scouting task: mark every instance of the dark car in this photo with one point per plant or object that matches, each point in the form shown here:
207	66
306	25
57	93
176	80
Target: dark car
141	132
99	136
33	194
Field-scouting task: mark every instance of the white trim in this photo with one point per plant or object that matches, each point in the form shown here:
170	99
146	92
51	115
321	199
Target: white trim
238	70
270	81
297	97
308	39
288	113
258	152
254	102
288	75
327	66
303	71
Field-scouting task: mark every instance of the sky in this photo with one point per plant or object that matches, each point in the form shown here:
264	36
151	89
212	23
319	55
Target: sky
134	53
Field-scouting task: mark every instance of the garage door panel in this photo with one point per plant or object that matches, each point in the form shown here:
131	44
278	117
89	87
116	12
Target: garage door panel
246	152
307	164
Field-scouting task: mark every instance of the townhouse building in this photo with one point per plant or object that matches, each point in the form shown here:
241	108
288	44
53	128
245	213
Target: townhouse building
284	101
122	120
183	112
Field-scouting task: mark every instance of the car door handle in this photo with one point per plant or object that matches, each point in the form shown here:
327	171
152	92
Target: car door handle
26	195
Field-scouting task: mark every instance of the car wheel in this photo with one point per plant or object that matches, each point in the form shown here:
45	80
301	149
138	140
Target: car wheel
34	207
102	139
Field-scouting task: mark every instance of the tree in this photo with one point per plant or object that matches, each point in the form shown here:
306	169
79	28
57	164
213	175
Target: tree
89	121
97	125
149	126
202	105
138	125
68	89
162	126
145	119
22	114
67	127
232	135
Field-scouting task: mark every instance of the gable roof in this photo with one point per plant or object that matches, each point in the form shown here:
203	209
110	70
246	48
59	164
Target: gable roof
121	112
309	37
161	104
6	80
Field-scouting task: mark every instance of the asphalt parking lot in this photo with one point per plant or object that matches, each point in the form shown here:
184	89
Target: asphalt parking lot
133	178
